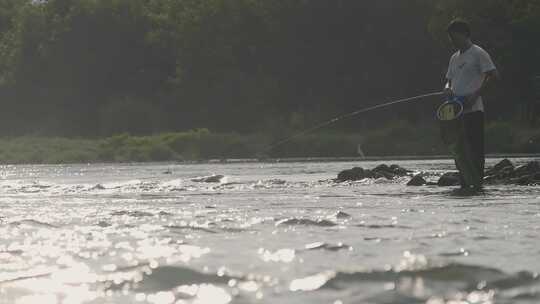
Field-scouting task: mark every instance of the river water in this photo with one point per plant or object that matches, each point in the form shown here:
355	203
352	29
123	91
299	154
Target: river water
265	233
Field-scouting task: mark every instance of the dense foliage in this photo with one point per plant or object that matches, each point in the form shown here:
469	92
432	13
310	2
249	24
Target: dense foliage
103	67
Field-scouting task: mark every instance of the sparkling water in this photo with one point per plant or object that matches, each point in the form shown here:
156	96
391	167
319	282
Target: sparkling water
261	233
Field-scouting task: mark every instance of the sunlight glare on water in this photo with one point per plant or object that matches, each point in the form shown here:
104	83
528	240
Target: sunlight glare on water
262	233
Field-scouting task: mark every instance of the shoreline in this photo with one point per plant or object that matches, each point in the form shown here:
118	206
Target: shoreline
203	146
289	160
356	159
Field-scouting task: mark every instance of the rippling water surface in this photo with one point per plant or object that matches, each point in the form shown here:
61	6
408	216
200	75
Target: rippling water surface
265	233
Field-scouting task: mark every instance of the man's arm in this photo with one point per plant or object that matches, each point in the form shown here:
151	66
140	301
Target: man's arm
487	66
489	79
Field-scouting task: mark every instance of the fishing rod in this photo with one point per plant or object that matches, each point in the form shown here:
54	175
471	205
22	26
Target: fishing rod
348	115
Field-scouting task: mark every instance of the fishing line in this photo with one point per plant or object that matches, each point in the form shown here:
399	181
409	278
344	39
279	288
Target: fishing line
334	120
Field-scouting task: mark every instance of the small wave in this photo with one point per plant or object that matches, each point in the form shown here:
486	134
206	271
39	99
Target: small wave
168	277
284	255
444	284
472	277
306	222
7	277
24	187
132	213
481	238
460	252
32	222
522	278
217	178
103	224
277	181
233	229
383	226
530	296
327	246
269	184
190	227
38	185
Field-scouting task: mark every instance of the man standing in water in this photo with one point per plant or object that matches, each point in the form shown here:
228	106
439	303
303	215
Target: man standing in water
469	71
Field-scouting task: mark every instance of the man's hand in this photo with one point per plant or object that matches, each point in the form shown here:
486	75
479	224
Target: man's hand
448	93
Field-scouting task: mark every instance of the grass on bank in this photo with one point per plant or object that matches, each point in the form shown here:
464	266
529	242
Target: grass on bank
399	138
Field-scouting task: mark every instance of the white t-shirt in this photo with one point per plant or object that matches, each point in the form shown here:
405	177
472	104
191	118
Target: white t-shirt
467	72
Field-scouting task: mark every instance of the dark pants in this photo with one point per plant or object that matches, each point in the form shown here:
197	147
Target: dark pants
474	136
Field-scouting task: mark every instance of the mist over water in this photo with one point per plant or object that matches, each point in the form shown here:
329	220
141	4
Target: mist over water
261	233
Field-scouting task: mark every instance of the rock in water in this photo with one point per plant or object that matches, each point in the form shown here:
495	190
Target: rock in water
524	180
417	180
449	179
383	170
98	187
505	163
503	172
354	174
398	170
536	178
390	172
527	169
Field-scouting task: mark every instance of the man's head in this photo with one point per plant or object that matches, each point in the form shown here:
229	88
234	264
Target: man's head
459	33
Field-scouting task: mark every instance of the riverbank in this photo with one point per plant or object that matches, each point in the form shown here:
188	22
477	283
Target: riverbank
364	159
399	141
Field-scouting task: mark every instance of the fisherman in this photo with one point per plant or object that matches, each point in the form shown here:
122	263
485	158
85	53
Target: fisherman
469	72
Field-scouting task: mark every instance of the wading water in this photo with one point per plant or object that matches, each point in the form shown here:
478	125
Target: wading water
262	233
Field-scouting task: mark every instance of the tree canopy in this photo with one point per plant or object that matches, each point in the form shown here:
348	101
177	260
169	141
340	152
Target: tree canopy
103	67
